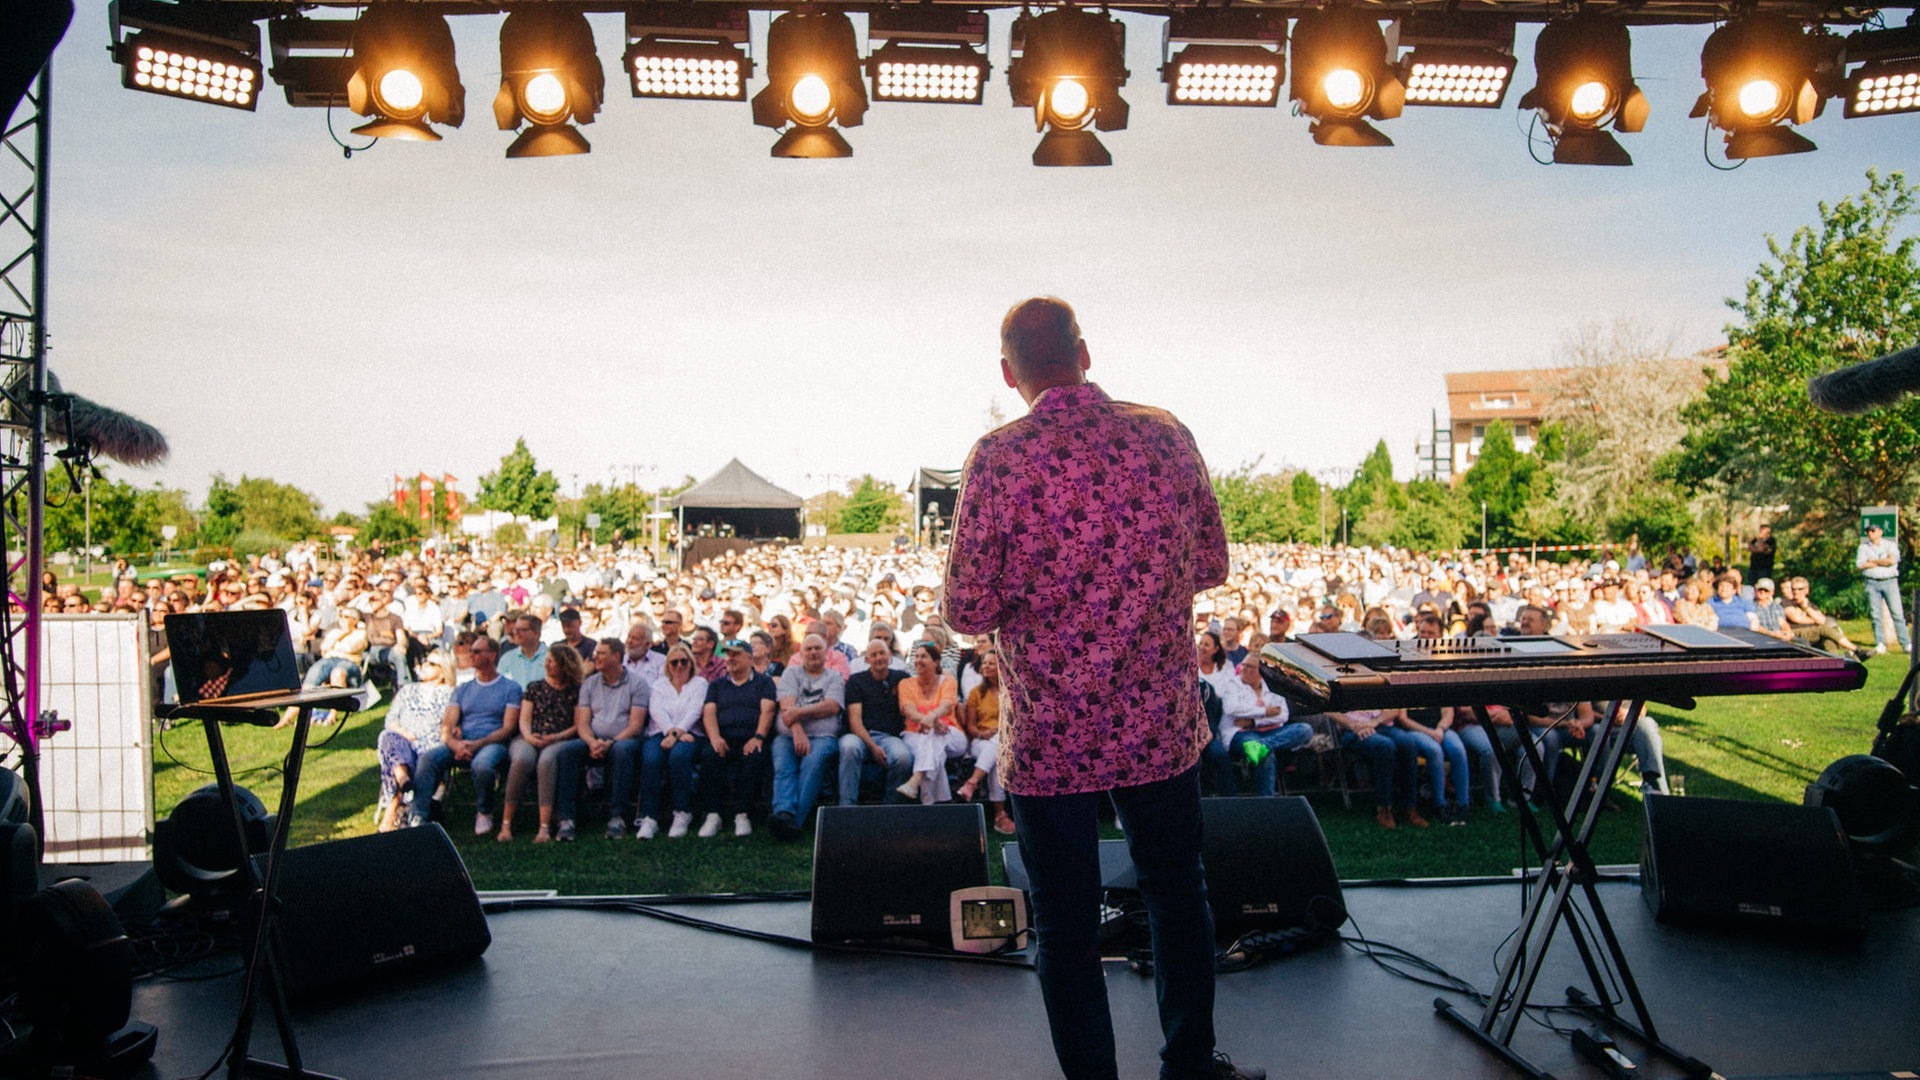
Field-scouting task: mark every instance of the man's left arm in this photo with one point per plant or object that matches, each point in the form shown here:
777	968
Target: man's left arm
977	557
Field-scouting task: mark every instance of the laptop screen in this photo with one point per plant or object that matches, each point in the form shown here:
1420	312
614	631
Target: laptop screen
221	654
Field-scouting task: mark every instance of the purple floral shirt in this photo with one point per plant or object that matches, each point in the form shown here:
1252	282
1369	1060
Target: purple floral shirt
1084	530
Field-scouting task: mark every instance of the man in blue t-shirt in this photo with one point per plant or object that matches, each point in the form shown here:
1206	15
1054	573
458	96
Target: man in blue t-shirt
738	716
1735	611
479	723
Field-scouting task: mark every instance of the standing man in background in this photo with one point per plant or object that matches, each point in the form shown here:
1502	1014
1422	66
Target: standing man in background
1879	563
1083	532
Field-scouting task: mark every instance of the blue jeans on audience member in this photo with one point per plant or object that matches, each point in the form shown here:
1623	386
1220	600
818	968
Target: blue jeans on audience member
436	763
1883	603
857	762
322	671
1448	752
1383	765
796	781
1480	756
673	763
1266	775
1548	740
1059	838
395	656
623	766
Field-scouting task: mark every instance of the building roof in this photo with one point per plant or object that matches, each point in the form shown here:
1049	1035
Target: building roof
1474	396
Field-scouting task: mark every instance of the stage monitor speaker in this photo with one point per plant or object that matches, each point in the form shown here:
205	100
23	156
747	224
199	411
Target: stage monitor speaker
1268	867
1771	867
883	873
373	908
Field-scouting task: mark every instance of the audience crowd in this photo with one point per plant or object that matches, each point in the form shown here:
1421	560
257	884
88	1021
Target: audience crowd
740	691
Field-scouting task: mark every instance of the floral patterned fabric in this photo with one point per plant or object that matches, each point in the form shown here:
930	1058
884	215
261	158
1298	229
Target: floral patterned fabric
1083	532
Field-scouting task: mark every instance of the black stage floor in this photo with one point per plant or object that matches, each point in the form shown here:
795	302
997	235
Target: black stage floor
597	994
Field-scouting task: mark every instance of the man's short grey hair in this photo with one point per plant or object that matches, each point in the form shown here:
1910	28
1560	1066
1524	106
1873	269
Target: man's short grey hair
1040	335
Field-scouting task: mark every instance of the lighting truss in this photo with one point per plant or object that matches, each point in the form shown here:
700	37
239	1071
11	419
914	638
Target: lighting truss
1233	57
689	52
931	55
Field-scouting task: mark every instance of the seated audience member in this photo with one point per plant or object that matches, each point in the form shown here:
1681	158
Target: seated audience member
1427	732
980	719
762	644
1649	607
1769	615
341	652
812	703
738	716
547	724
673	739
883	632
1612	613
1729	607
874	727
645	662
928	701
570	633
482	717
1252	716
412	728
1478	740
1814	626
387	636
707	662
1692	609
1215	669
1393	777
1279	625
525	664
609	721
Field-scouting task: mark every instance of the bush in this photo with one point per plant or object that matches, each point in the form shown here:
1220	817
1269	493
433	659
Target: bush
512	534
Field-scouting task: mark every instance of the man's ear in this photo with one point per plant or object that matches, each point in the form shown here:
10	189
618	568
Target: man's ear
1085	360
1006	372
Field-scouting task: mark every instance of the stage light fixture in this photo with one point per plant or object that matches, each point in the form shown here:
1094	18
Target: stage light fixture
404	76
692	52
549	73
813	82
190	53
930	54
1584	82
1068	67
1233	56
1455	61
1887	83
1341	75
1760	75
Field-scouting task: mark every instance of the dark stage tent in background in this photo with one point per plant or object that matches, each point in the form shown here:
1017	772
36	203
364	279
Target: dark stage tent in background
734	502
938	490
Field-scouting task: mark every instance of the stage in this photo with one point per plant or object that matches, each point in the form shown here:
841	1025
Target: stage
592	994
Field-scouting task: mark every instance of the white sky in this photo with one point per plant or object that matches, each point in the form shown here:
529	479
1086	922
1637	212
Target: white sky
678	297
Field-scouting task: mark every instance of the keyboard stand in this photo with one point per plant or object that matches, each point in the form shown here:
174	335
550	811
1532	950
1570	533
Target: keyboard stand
263	953
1565	864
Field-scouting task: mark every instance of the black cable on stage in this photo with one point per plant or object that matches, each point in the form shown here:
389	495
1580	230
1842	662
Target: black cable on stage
647	906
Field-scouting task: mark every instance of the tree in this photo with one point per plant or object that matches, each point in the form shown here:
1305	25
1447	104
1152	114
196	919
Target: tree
386	522
125	519
1617	403
1372	499
1257	507
1436	518
1837	293
1514	488
872	506
519	486
272	512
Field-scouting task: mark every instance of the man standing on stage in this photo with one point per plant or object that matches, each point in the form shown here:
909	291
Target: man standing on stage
1083	532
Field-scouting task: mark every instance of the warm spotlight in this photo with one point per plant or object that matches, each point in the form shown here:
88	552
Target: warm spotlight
931	54
1341	76
1068	66
549	74
688	51
403	75
1887	82
1584	82
1760	75
813	82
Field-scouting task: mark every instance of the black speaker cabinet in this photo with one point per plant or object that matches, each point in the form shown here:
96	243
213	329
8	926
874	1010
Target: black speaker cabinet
1268	867
886	872
1770	867
375	907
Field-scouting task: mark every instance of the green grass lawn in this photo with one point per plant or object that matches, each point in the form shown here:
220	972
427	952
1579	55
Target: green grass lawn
1735	748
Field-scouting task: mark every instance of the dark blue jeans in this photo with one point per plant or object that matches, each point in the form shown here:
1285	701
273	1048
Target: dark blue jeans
1059	841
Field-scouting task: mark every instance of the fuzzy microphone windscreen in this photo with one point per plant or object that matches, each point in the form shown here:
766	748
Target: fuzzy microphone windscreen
1867	386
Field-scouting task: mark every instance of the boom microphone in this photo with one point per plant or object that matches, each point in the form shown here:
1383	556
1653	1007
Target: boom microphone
1867	386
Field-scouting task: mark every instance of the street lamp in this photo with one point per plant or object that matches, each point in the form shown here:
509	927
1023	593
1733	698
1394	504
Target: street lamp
1483	525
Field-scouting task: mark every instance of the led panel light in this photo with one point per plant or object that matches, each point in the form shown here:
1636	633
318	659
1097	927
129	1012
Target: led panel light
1224	75
1458	78
689	70
1885	88
939	74
192	70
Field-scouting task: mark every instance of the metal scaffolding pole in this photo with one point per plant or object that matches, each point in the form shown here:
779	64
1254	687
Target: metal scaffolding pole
24	149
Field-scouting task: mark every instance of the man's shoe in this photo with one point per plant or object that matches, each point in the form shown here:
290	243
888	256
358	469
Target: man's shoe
1384	817
1225	1069
648	829
565	832
1414	819
482	824
682	821
783	827
709	828
1880	648
616	828
1459	816
741	826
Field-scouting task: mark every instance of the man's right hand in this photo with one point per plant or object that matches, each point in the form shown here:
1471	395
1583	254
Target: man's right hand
462	750
875	752
720	747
